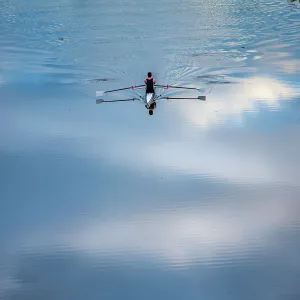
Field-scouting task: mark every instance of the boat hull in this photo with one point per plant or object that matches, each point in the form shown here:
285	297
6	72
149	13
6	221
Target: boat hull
149	99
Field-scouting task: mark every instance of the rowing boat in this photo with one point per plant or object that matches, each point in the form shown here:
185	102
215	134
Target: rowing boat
148	98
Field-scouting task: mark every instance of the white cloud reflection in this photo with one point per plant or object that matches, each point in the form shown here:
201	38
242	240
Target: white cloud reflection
241	157
180	237
231	102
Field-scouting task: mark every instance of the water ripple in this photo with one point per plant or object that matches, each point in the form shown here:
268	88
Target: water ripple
109	202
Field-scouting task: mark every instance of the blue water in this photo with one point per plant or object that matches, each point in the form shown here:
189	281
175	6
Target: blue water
103	201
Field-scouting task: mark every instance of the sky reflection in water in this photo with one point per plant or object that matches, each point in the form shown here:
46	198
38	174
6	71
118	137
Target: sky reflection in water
200	200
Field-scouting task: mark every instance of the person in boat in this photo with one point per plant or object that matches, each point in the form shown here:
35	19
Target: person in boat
150	82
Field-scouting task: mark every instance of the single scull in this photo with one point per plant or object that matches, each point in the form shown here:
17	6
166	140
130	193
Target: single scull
147	98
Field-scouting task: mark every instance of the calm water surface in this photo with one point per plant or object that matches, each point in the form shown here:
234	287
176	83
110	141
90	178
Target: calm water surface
198	201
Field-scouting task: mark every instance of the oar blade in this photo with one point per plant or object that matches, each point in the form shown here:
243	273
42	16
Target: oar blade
99	93
99	101
202	98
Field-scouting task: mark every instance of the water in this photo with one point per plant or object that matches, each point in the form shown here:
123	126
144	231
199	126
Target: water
198	201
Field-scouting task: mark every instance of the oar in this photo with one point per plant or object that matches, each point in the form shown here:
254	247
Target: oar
184	98
178	87
99	101
100	93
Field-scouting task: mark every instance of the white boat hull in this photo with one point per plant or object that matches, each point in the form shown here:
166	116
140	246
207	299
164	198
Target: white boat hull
149	99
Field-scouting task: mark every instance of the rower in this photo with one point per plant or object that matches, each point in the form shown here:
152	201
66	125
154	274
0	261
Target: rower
150	81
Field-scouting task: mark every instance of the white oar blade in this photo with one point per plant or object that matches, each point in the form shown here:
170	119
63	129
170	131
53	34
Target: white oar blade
99	93
99	101
202	98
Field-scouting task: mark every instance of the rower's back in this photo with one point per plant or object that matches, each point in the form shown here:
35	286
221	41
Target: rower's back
150	81
150	85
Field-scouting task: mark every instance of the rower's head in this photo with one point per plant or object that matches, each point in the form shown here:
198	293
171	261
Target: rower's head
150	112
149	74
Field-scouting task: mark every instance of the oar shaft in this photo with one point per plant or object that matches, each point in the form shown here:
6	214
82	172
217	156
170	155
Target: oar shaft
176	87
179	98
119	100
127	88
183	98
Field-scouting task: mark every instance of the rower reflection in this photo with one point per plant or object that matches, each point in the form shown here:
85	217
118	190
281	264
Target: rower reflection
151	108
